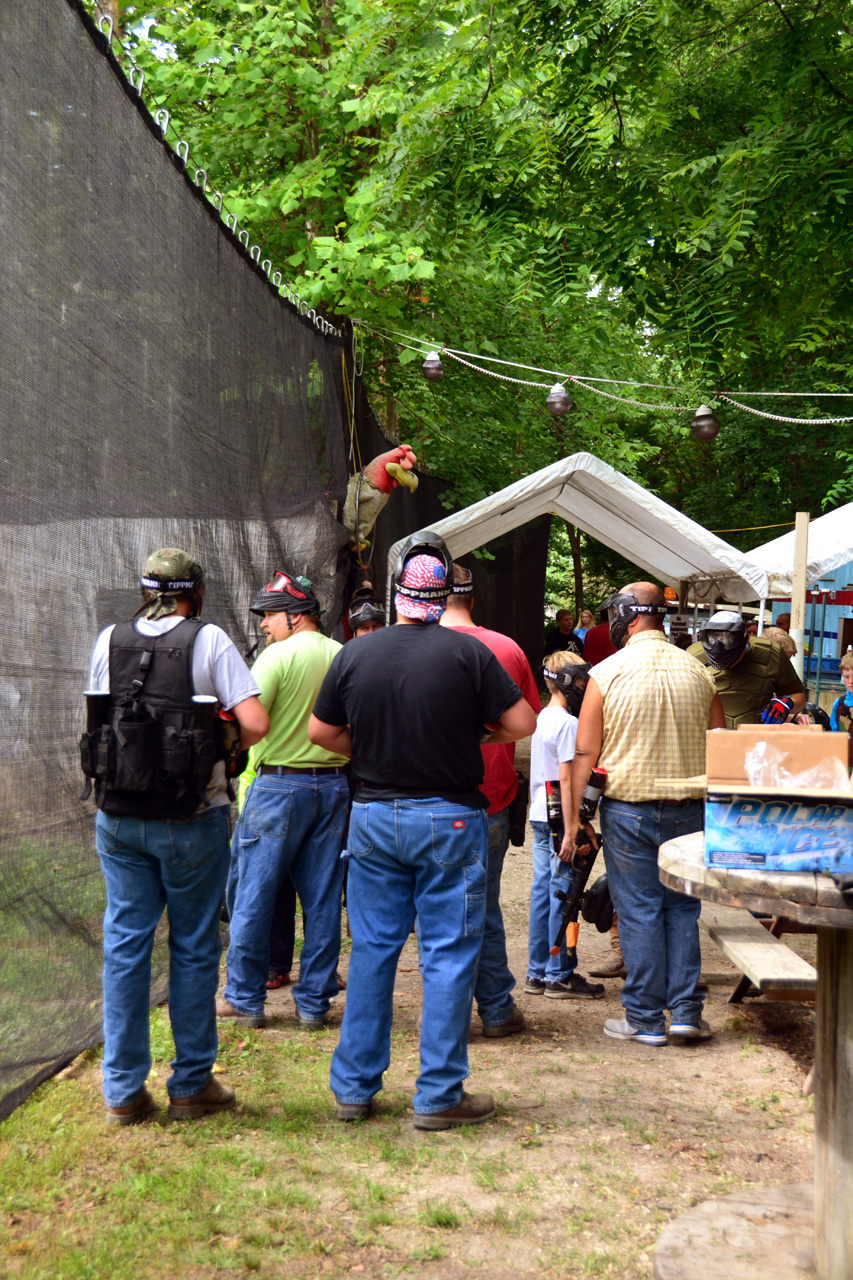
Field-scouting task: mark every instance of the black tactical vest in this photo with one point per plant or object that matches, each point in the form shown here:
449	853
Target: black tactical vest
154	753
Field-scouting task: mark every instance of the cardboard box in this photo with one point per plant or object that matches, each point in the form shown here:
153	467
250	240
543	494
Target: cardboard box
777	828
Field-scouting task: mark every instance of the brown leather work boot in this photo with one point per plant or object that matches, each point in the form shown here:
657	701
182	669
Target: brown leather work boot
213	1097
143	1104
473	1108
513	1025
614	965
226	1010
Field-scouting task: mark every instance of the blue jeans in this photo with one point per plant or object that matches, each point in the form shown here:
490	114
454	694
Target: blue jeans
494	985
151	865
549	874
658	928
408	858
291	825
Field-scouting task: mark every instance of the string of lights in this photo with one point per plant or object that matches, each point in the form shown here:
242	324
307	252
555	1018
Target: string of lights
705	424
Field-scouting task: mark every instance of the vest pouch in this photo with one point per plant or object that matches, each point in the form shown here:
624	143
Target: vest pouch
97	753
176	755
88	753
137	738
205	755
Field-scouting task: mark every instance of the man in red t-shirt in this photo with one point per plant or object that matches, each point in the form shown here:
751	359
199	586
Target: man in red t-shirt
493	990
597	644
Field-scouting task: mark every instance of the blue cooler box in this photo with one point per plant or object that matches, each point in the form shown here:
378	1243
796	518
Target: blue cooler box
777	828
781	831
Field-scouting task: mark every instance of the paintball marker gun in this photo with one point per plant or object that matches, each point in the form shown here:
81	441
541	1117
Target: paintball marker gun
581	866
235	759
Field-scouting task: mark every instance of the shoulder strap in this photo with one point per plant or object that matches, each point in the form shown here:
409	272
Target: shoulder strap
126	631
188	629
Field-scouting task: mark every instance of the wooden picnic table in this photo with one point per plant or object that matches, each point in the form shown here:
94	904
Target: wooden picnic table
768	1231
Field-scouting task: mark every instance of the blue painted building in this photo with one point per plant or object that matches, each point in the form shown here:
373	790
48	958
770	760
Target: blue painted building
828	618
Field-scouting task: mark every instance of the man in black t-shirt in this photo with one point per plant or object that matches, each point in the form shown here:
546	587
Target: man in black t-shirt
411	709
563	635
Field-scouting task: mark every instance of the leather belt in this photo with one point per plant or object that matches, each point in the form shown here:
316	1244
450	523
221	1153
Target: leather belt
279	769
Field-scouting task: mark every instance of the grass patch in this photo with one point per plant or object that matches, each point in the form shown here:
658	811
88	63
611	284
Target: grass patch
440	1216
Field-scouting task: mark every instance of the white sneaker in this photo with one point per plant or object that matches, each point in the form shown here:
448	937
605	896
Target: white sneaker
690	1030
621	1029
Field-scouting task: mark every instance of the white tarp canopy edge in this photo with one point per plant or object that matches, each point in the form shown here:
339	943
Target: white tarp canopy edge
830	545
618	512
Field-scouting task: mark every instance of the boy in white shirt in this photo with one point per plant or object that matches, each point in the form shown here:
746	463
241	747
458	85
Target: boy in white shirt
552	749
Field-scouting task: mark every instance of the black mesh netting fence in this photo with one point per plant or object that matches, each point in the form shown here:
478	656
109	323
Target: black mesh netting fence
154	390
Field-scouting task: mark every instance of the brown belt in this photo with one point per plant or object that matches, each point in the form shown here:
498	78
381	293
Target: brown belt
279	769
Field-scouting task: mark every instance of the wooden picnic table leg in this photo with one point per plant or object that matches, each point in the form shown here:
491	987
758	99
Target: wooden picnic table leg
833	1141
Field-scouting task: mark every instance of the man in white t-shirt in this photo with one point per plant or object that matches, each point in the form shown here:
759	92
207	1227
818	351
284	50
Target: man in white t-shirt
162	829
552	750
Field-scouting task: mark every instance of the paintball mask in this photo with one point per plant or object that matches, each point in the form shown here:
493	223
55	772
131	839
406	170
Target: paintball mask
572	682
724	638
364	607
286	594
623	608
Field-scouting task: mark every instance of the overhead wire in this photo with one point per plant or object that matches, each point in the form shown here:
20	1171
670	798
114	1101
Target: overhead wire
467	358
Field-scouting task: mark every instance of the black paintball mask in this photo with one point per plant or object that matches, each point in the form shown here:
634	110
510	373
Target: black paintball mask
465	587
598	905
623	608
364	607
724	638
571	682
818	716
604	607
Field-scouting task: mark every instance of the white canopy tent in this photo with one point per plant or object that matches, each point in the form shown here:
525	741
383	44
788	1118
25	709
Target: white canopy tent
618	512
830	545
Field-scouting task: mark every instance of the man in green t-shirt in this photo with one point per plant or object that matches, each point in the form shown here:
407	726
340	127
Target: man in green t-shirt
754	676
293	820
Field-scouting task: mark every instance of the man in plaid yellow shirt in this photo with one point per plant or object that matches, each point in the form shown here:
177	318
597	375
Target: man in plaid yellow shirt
644	716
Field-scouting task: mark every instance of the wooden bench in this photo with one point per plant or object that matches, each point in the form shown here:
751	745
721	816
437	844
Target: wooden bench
767	964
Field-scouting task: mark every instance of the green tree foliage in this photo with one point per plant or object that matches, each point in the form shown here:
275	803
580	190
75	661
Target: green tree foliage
637	189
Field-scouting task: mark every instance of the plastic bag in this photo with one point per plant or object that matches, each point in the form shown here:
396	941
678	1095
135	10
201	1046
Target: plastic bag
765	768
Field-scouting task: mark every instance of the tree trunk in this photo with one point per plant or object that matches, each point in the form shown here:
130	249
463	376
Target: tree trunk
577	568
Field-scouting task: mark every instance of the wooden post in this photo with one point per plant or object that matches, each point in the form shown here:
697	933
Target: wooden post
798	593
833	1137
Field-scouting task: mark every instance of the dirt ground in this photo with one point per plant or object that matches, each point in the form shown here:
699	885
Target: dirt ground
599	1143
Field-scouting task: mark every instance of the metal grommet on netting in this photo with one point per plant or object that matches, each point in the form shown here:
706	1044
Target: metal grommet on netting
201	179
240	234
182	150
266	266
276	283
161	119
231	222
255	253
136	78
105	26
216	201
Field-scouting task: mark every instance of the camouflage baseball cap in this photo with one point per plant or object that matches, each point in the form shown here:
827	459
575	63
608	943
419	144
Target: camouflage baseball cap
167	573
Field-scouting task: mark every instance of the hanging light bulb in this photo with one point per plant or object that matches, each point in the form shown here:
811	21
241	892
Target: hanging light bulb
558	402
705	424
432	368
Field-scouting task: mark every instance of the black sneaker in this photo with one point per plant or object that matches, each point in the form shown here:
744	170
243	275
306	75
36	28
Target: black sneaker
575	987
535	987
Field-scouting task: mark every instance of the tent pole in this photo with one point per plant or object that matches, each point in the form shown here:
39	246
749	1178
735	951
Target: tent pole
811	643
798	593
761	603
